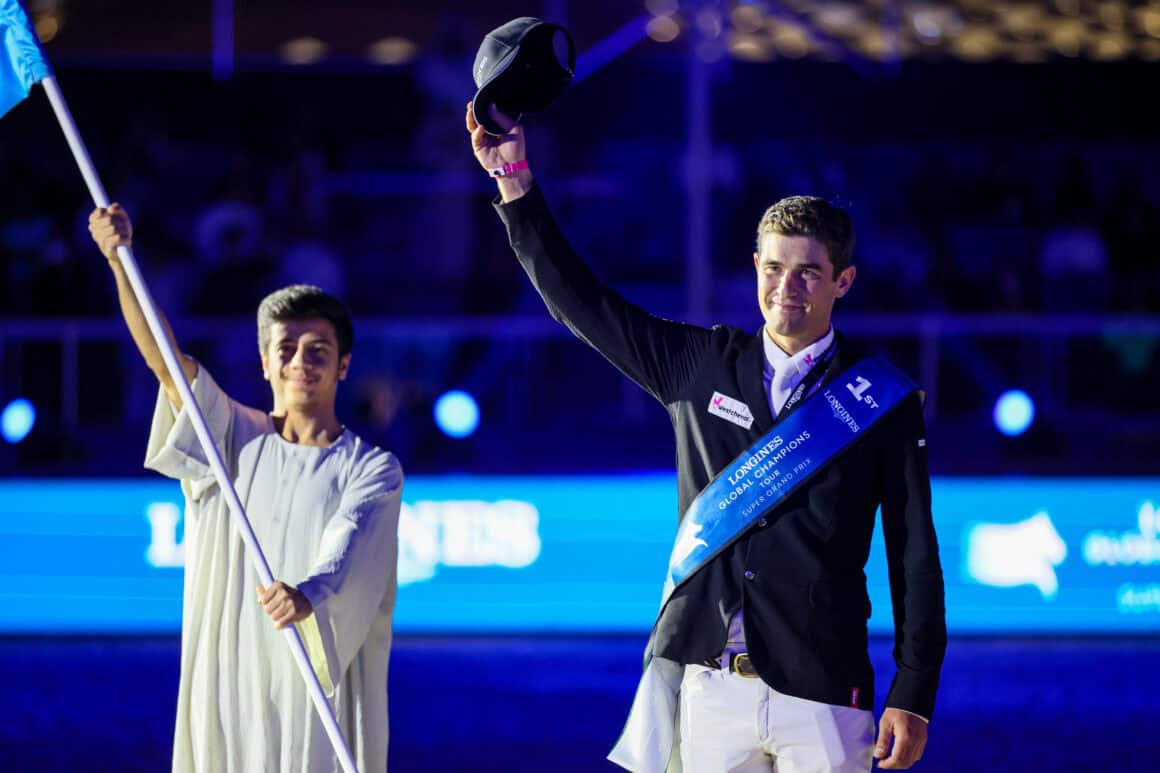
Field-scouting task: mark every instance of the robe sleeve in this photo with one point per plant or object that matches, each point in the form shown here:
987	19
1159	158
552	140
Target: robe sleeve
174	449
353	578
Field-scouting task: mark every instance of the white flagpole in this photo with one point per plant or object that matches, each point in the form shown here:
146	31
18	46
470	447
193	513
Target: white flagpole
145	300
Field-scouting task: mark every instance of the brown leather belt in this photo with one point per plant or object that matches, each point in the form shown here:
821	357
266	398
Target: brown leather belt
738	664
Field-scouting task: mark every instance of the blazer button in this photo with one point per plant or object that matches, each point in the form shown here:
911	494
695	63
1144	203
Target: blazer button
750	574
763	522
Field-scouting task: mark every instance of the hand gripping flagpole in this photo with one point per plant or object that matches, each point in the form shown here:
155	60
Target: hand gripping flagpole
177	373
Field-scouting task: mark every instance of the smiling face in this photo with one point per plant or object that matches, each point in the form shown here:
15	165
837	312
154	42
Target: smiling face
796	289
303	365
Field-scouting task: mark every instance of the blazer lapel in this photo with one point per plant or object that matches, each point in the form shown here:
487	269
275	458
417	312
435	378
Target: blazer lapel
750	367
844	357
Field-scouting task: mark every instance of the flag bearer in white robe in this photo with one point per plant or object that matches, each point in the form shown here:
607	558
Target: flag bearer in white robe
324	505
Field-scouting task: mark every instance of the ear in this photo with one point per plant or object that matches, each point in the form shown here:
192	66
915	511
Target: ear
756	259
845	281
343	367
265	366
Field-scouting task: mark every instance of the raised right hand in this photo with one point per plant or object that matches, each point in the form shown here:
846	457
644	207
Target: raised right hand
494	151
110	229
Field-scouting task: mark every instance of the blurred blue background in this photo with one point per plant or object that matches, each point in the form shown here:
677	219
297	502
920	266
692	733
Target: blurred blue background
482	554
1003	172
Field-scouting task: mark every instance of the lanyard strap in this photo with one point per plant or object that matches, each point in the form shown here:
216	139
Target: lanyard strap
814	375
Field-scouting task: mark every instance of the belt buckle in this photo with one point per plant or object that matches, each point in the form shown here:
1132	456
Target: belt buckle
740	665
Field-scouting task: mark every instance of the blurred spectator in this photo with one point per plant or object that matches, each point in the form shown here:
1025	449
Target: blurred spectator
232	265
897	277
1132	229
55	284
310	259
385	409
1002	191
1073	258
299	209
297	193
931	202
443	226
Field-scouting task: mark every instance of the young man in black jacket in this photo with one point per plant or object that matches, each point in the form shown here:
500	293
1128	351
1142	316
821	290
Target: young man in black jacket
758	661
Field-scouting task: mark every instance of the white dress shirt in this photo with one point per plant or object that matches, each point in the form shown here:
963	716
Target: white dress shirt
783	372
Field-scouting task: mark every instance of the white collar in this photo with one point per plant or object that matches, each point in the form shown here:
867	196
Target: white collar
803	360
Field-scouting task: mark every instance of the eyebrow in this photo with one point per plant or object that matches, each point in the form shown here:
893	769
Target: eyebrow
293	340
776	262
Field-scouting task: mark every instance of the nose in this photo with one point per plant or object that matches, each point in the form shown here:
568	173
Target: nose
786	285
298	361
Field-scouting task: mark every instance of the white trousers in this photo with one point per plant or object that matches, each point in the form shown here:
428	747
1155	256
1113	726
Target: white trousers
734	724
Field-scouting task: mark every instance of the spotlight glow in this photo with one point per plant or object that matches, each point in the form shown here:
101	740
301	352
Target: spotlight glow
305	50
17	420
456	413
1014	412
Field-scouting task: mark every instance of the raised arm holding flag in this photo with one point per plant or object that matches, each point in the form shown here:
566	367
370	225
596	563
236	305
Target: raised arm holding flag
240	707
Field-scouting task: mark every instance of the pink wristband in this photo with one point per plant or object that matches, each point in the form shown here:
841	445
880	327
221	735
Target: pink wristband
508	170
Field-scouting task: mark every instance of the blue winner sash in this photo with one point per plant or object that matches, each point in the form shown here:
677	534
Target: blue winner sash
798	447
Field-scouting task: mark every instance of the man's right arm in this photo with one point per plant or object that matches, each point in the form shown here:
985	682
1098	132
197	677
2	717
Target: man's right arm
658	354
110	229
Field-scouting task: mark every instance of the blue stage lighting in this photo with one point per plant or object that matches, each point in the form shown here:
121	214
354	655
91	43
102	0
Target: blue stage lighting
456	413
17	420
1014	412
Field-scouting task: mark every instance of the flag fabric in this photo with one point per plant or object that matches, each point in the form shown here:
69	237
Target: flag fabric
22	62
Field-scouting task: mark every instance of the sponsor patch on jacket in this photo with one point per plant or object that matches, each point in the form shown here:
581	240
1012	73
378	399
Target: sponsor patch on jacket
731	410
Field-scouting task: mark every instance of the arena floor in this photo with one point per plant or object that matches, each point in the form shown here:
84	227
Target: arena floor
556	704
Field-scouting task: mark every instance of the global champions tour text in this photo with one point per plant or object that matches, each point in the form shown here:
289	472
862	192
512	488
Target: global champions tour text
761	466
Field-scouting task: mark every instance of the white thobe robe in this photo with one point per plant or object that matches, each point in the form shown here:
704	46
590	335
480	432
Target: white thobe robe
327	521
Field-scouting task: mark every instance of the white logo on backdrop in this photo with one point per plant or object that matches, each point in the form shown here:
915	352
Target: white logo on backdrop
431	534
164	549
1006	555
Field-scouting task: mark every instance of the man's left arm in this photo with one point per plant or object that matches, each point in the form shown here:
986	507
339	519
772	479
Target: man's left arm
916	590
353	571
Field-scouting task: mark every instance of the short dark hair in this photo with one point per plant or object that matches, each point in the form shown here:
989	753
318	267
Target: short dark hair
298	302
814	217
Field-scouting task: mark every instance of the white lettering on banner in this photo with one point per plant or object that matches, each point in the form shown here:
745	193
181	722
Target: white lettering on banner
164	550
431	533
1140	547
754	463
1005	555
755	459
466	533
840	411
1138	598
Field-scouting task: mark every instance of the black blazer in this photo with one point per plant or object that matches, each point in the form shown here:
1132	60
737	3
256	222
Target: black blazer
798	573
